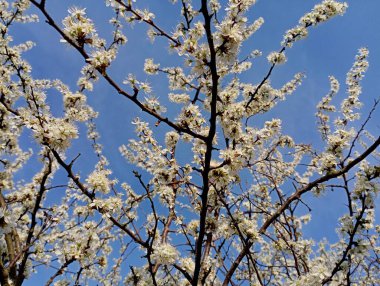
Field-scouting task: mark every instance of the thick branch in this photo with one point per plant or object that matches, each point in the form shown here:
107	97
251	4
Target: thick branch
209	145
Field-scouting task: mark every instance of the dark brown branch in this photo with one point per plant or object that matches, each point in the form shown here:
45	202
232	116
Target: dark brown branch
295	197
152	234
209	140
33	223
361	129
350	244
91	196
253	95
315	183
132	97
60	271
161	32
184	272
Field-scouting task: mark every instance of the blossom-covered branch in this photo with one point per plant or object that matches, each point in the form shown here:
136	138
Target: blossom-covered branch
214	191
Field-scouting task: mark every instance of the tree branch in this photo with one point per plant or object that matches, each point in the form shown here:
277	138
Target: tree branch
272	218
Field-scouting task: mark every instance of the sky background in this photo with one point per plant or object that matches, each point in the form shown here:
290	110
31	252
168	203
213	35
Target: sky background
329	50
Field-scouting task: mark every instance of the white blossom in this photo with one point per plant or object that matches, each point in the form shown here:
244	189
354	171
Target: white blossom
165	253
276	58
150	67
213	190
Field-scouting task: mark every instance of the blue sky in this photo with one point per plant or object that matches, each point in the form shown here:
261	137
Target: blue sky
329	50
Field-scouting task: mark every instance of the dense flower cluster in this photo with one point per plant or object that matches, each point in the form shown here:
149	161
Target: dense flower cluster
165	253
79	27
276	58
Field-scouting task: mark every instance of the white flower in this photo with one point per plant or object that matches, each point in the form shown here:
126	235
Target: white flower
215	5
276	58
76	107
102	58
165	254
179	98
188	264
171	139
154	104
147	15
57	133
319	14
294	35
78	27
150	67
98	180
323	12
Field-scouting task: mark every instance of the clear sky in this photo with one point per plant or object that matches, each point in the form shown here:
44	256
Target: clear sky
329	50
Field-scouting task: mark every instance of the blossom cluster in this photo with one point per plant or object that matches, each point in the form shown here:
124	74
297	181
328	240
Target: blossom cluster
321	13
213	192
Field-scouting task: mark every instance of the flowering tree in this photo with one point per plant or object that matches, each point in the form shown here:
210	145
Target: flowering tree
231	212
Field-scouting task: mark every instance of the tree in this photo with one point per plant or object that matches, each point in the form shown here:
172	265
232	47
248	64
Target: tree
214	197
